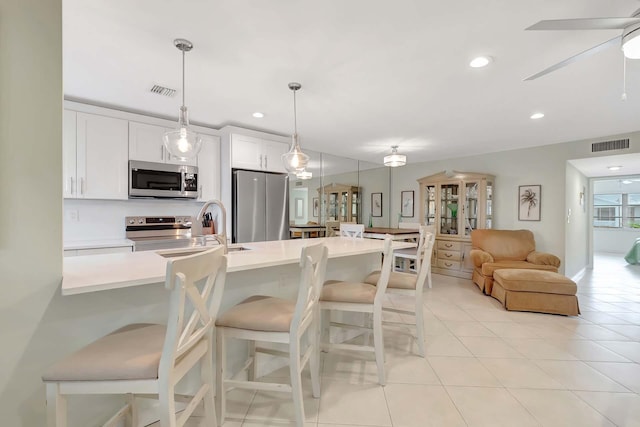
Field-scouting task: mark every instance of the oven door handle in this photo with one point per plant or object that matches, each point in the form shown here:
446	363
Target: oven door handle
183	180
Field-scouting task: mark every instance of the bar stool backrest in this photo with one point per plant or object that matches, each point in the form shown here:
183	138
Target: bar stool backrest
313	265
354	231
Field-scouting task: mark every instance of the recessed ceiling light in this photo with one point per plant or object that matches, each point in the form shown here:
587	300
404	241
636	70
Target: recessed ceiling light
626	181
480	61
614	168
258	115
536	116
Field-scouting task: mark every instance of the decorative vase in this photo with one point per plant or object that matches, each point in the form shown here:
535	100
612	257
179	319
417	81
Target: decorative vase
370	221
454	209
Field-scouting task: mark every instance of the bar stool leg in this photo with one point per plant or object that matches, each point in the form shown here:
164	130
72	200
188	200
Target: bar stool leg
314	362
221	362
420	325
296	381
378	344
206	373
56	406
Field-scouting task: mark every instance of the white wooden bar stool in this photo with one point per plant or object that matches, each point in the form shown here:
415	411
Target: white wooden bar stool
150	359
363	298
277	320
354	231
411	284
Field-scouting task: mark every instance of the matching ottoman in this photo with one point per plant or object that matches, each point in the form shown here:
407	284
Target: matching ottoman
535	290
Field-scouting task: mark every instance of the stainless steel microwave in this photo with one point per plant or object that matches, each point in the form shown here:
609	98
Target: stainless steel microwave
147	179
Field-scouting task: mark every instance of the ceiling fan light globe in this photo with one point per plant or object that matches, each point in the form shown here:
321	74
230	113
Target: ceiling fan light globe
631	42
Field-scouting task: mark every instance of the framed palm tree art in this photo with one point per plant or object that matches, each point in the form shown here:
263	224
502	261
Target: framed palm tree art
529	197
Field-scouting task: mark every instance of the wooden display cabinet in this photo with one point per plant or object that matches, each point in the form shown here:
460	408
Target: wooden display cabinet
340	202
455	203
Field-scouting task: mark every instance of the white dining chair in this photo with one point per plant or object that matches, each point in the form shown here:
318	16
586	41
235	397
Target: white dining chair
361	297
354	231
413	285
276	320
150	359
404	257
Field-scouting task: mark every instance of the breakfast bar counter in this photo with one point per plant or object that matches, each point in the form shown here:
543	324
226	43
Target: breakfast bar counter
93	273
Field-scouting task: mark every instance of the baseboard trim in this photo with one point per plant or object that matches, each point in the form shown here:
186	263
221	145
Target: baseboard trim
579	275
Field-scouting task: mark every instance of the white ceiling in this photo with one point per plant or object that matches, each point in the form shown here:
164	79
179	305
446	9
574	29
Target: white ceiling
599	166
373	72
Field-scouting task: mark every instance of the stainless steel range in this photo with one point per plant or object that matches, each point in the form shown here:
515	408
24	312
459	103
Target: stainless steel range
160	232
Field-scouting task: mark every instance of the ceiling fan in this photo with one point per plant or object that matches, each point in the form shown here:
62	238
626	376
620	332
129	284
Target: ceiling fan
629	39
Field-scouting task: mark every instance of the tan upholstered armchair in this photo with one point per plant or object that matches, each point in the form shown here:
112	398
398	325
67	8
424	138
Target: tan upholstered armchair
496	249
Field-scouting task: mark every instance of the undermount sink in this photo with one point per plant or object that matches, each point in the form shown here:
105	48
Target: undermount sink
192	251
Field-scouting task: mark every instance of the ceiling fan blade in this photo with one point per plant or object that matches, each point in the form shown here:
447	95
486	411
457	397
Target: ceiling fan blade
585	24
574	58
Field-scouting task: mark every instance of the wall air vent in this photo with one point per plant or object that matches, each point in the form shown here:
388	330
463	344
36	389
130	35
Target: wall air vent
161	90
618	144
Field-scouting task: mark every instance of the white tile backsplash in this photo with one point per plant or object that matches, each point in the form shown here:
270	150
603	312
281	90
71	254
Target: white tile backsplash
104	219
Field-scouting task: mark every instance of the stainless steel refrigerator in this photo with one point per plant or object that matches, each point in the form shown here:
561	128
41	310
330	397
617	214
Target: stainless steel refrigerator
260	206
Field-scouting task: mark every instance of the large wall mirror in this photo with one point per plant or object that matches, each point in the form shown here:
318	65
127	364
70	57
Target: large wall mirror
374	181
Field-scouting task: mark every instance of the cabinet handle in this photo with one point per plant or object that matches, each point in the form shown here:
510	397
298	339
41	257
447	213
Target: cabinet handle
260	161
448	255
448	264
71	185
82	186
265	162
448	245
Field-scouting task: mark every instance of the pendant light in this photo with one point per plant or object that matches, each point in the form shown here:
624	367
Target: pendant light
183	143
295	160
394	159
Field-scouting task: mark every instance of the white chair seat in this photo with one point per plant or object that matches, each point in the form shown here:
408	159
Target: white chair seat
260	313
129	353
362	293
397	280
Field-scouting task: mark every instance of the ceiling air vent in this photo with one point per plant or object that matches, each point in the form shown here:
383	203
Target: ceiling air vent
618	144
161	90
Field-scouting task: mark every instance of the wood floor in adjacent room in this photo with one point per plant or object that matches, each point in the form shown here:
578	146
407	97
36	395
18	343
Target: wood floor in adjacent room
484	365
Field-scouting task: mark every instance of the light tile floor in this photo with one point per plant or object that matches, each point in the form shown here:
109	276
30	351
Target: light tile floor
486	366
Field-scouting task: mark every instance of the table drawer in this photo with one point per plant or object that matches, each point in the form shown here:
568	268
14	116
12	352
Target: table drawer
449	246
449	265
449	255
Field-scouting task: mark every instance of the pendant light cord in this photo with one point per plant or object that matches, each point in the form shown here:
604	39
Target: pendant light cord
624	78
183	52
295	117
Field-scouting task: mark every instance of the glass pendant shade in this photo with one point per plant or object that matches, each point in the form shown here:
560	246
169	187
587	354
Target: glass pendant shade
394	159
295	160
182	143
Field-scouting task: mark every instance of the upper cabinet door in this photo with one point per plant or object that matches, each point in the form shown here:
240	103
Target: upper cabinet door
246	152
145	143
272	152
69	178
102	157
209	168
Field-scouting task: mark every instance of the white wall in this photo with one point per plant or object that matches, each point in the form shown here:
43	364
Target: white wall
31	201
617	241
577	222
544	165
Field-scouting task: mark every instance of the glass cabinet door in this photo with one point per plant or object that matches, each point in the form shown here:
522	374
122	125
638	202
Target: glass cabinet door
471	207
430	205
449	208
355	211
343	206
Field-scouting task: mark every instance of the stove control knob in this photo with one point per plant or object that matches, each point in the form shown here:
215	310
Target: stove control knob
141	221
131	221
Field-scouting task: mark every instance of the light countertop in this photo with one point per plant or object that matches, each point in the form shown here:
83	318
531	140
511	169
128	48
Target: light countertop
93	273
96	244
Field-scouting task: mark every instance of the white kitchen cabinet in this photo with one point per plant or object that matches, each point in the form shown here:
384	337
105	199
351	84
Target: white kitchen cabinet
99	169
145	144
253	153
209	168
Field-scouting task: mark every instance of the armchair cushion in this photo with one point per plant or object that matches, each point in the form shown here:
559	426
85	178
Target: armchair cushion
488	268
543	258
479	257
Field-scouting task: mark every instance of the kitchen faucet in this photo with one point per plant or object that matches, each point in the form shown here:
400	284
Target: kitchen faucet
221	225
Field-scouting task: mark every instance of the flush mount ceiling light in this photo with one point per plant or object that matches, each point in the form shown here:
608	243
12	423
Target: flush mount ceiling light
394	159
536	116
480	61
295	160
183	143
304	175
258	115
627	181
614	168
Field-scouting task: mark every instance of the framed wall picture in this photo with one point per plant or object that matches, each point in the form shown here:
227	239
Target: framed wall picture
406	206
316	206
529	198
376	204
